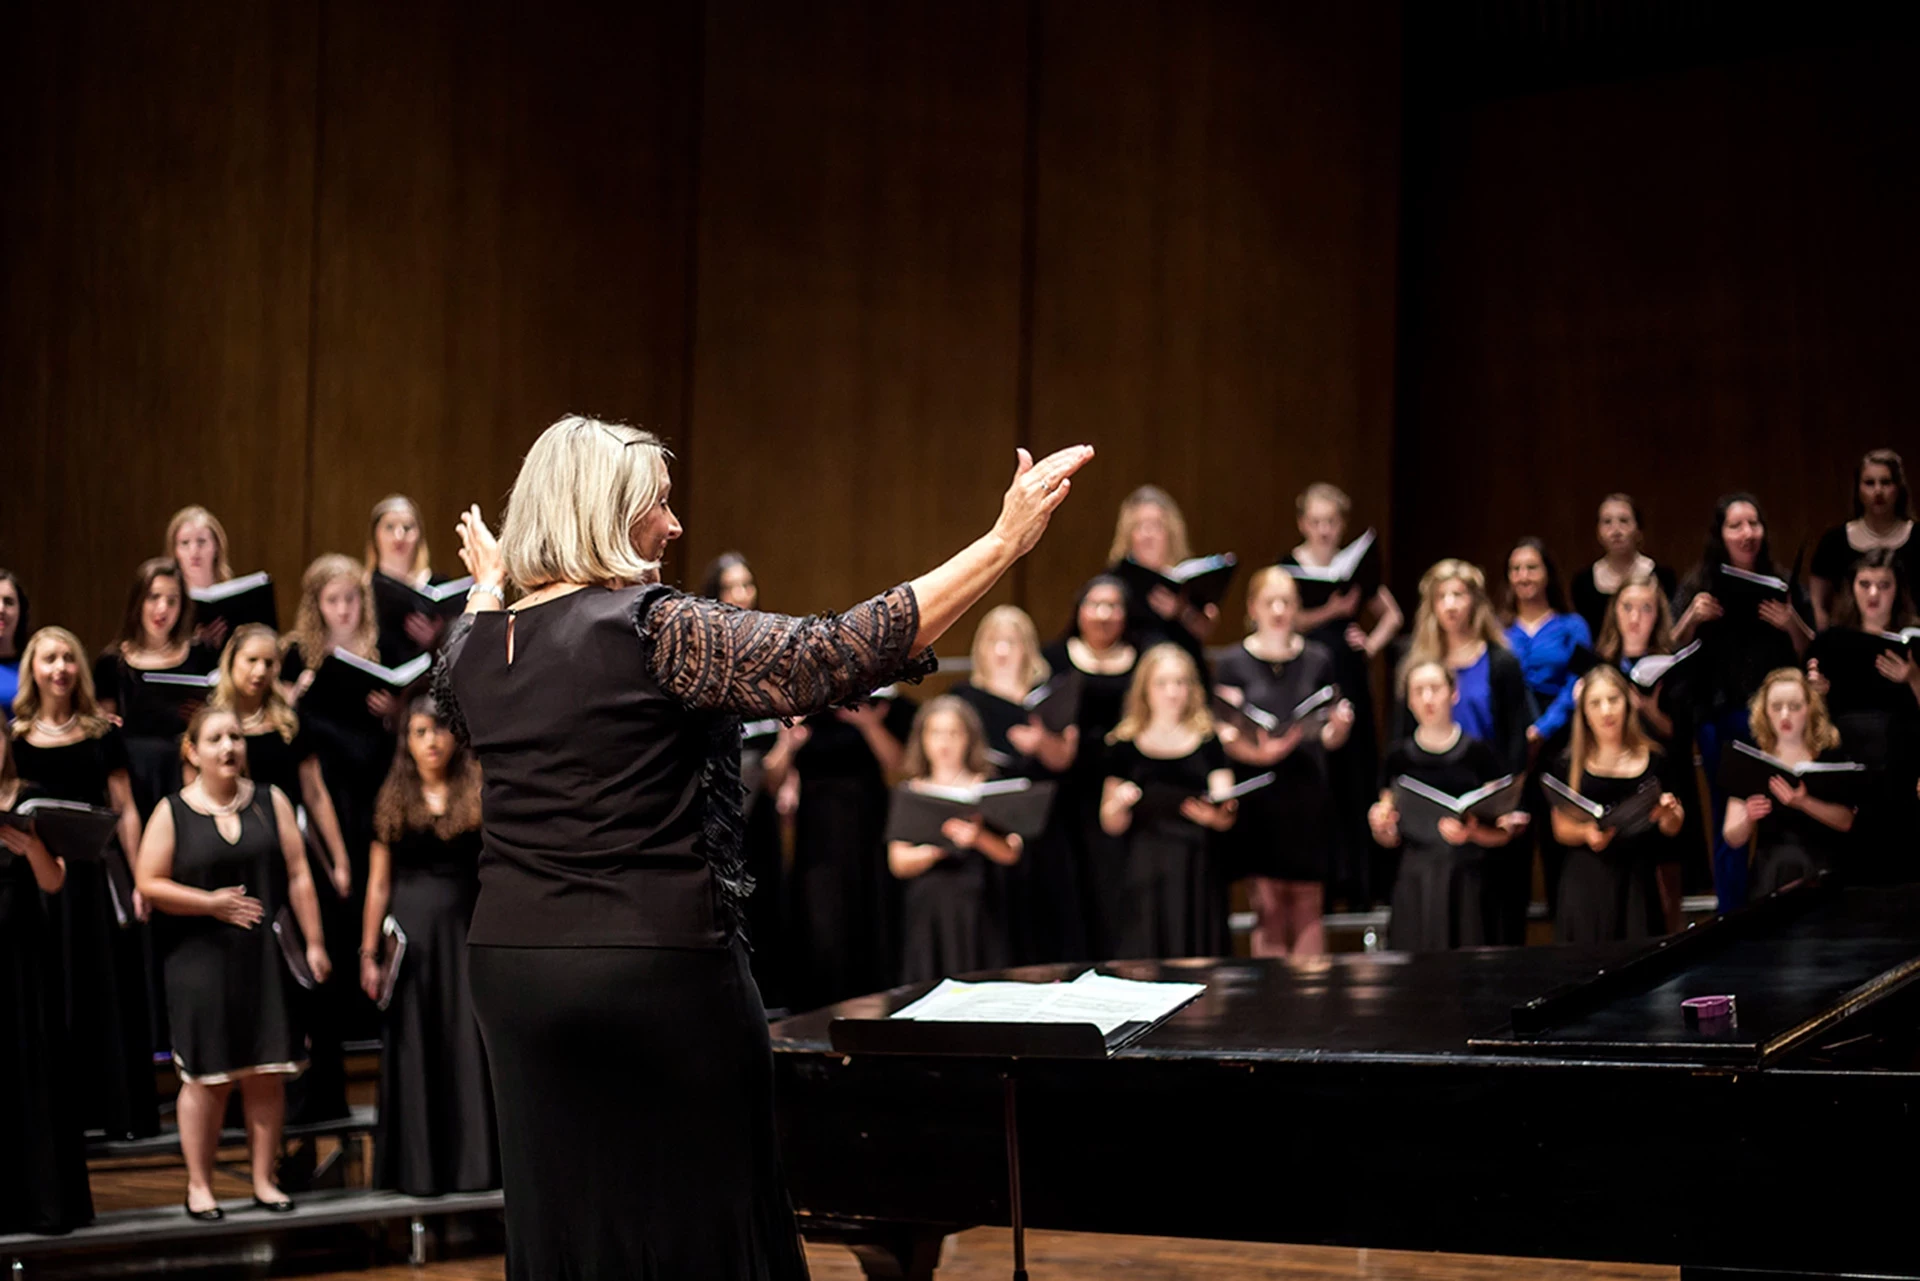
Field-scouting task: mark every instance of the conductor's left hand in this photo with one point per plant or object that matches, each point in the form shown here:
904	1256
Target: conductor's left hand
1037	489
479	549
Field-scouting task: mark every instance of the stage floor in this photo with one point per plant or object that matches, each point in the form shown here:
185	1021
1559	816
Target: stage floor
985	1254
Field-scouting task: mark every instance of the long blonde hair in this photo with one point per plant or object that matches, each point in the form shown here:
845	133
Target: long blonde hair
422	557
1632	737
197	515
1821	736
1429	644
274	706
26	700
1178	549
1611	644
582	488
1134	715
310	627
1034	671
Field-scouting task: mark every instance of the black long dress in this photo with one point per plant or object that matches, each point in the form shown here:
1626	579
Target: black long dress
355	750
321	1092
1039	900
1176	887
1879	724
1791	845
845	931
632	1072
102	966
950	921
1361	873
436	1132
1613	893
1437	895
229	992
1286	830
1100	860
43	1176
151	717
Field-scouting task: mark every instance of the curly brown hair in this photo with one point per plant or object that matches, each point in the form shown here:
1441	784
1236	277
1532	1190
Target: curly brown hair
402	805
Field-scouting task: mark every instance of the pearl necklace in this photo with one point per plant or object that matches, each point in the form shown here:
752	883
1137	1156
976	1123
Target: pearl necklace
56	731
217	810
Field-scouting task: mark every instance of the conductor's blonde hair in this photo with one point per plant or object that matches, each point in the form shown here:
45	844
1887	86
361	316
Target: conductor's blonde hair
582	488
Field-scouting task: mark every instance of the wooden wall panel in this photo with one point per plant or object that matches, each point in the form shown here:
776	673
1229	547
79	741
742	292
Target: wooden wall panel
857	335
155	241
1678	287
503	238
1216	223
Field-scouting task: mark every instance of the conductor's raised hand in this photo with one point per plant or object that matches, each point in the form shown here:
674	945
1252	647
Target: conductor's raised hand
1037	490
480	550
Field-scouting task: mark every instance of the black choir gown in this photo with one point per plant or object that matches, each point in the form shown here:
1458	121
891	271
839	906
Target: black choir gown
1791	845
628	1047
102	964
151	723
1099	860
229	991
1039	900
1360	872
950	920
1879	724
1285	830
43	1175
1176	886
1438	894
436	1132
846	904
1612	894
355	750
321	1092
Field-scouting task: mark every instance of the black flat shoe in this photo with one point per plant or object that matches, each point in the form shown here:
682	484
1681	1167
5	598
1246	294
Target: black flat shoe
274	1207
205	1216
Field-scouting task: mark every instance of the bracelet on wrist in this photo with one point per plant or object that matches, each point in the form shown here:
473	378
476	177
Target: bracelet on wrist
488	589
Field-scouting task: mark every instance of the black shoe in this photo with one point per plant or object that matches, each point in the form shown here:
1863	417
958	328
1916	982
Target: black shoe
205	1216
282	1206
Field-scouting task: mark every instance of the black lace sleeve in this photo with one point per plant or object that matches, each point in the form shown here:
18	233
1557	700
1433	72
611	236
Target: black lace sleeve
445	705
715	657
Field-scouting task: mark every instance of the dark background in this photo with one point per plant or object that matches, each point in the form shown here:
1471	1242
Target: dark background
1478	263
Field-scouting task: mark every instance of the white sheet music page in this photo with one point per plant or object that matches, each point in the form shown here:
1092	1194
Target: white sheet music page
1107	1003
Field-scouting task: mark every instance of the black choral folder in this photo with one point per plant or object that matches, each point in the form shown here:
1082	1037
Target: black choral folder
1355	565
1012	807
1200	581
393	600
1629	816
1424	806
1745	769
237	602
342	682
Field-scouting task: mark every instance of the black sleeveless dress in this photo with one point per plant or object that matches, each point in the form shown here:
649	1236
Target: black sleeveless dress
1176	892
229	992
1613	893
1039	901
1100	861
436	1131
1286	830
43	1176
102	965
632	1073
1437	893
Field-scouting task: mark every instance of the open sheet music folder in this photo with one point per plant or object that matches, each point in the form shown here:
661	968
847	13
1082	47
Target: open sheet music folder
1089	1017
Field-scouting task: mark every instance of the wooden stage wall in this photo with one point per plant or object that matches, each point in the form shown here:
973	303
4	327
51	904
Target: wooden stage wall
284	259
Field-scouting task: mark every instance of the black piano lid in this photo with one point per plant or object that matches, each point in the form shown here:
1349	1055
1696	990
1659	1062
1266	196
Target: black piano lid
1802	966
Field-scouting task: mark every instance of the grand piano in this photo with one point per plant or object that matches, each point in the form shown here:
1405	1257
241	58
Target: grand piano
1541	1102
